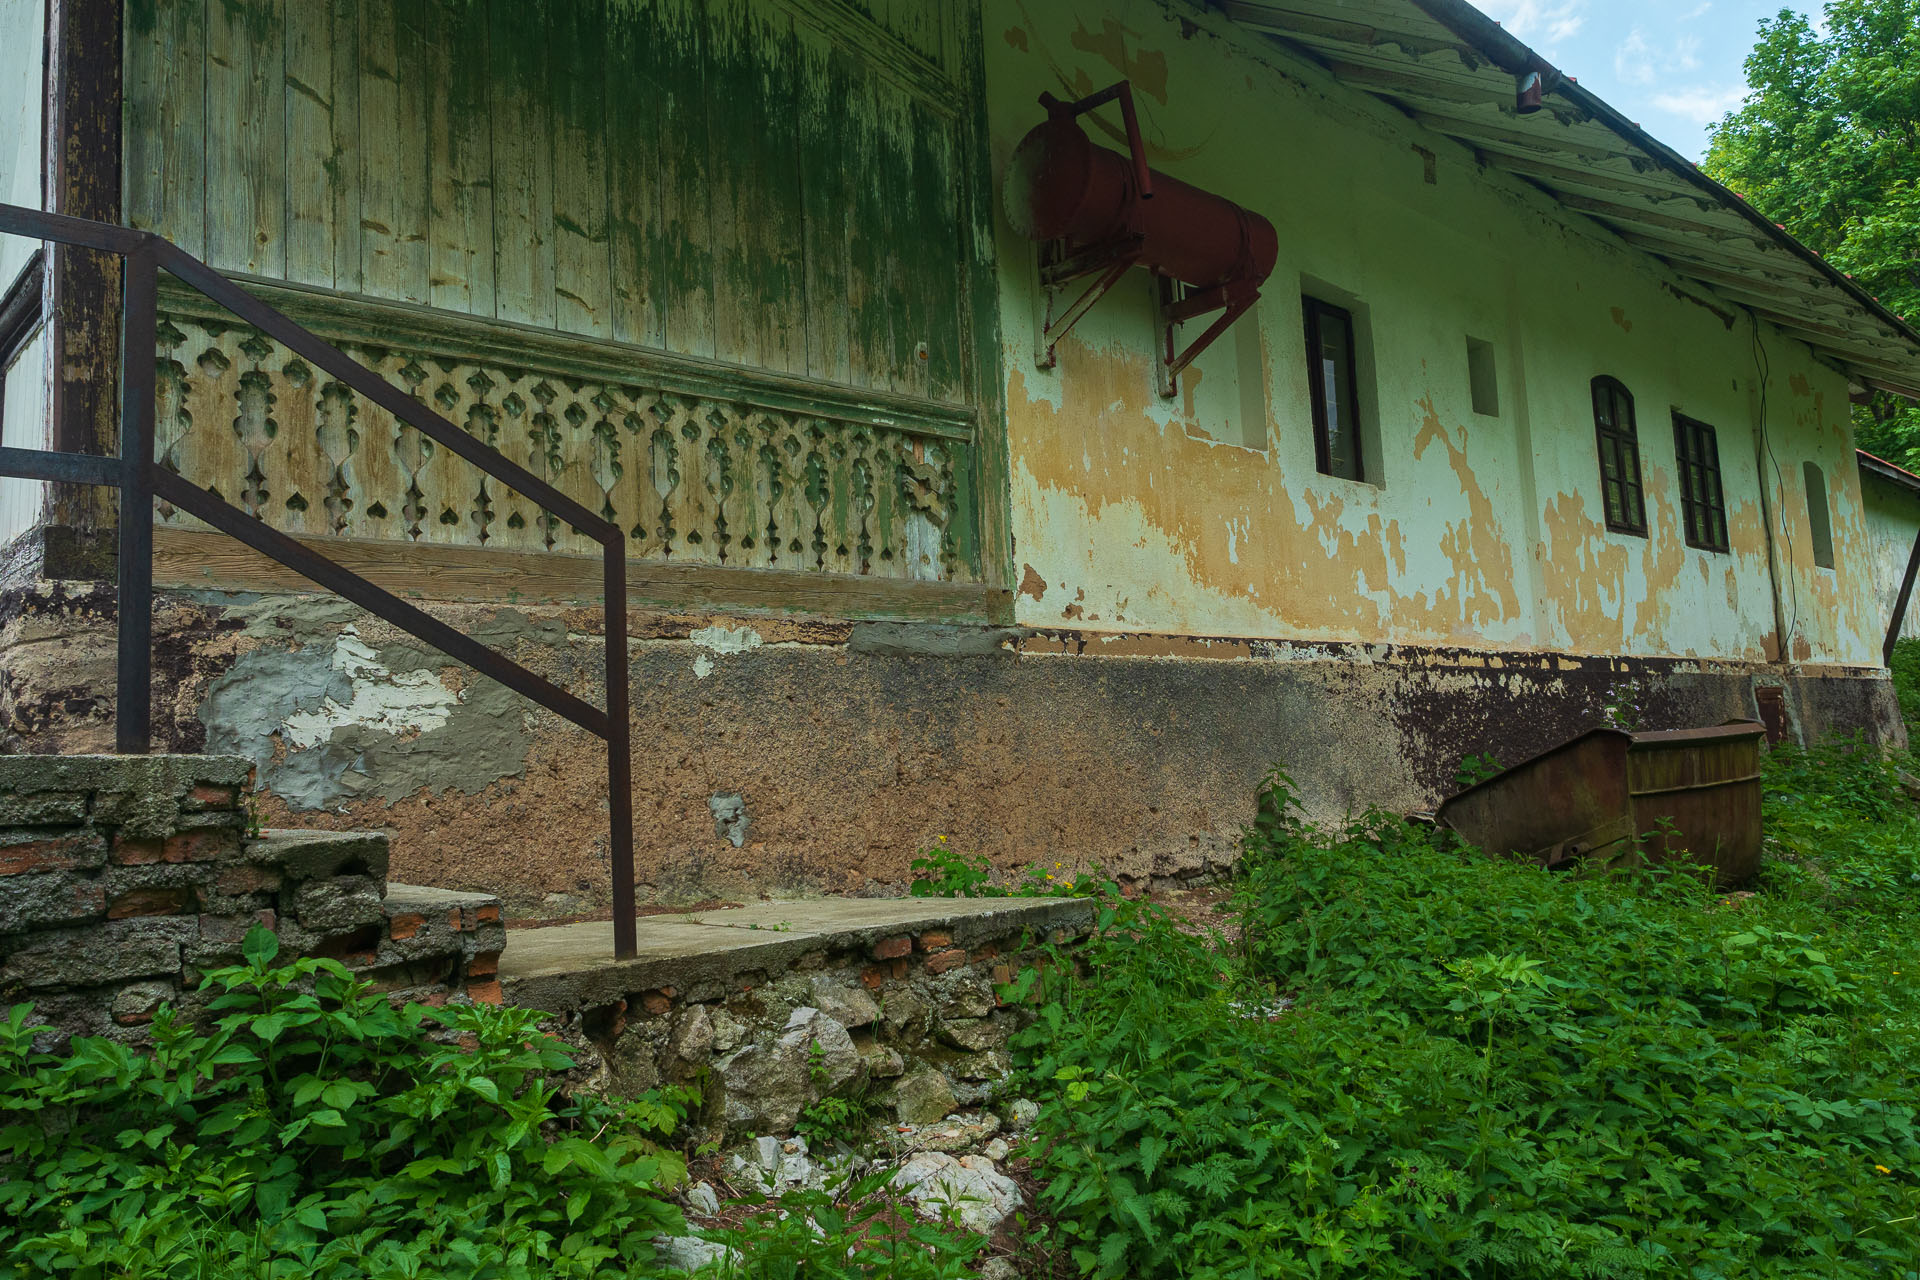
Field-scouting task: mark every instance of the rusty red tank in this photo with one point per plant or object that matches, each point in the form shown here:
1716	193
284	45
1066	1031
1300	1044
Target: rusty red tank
1060	185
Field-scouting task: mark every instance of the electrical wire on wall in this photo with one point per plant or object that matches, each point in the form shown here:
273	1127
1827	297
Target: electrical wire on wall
1763	368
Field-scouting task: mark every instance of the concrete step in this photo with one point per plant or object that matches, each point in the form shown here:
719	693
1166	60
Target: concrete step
565	968
316	855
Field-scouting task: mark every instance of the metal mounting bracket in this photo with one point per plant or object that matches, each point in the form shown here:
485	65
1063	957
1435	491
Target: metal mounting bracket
1059	267
1178	305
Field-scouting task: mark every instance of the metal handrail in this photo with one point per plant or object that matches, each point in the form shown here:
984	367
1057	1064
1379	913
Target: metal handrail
140	479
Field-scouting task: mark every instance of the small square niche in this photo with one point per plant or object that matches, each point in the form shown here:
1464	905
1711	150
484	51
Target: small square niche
1484	377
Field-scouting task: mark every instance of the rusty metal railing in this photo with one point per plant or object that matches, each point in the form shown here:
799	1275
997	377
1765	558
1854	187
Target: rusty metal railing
139	479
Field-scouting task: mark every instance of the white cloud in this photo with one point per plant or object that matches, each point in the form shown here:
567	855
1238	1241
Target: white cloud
1633	60
1543	23
1702	104
1699	11
1636	61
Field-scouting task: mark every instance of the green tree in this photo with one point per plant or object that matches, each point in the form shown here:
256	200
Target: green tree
1827	144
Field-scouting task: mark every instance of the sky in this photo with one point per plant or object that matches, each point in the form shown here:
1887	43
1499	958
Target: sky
1674	66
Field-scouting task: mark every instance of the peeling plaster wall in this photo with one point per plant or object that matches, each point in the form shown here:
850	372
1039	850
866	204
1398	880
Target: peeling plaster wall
1893	522
1205	515
831	751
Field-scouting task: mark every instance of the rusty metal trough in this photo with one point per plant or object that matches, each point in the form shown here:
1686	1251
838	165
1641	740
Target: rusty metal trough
1610	796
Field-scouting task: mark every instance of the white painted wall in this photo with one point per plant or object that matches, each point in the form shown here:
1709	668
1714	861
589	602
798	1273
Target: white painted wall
1893	521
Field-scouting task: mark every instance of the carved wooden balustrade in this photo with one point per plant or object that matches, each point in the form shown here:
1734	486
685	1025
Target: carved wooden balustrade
699	463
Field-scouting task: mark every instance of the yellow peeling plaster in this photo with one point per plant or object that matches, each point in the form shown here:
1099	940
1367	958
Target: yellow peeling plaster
1137	524
1189	517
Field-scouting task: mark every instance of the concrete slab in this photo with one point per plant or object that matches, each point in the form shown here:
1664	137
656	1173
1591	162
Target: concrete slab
569	967
863	921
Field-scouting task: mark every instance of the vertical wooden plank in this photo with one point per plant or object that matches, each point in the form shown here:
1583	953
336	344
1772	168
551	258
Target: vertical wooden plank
683	264
343	165
757	216
933	248
522	162
991	497
870	340
166	116
309	88
582	265
246	137
825	75
459	158
393	150
633	160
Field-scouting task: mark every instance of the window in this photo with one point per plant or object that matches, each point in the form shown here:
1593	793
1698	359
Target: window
1702	504
1482	378
1334	388
1619	457
1818	517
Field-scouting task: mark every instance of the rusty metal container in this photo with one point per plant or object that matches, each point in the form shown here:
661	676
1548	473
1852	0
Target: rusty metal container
1604	796
1060	185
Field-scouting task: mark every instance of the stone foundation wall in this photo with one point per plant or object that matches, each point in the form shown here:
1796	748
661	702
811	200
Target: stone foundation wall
800	755
124	878
912	1024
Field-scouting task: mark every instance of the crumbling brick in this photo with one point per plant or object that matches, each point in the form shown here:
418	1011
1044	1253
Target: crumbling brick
934	940
946	960
656	1002
405	925
485	993
487	915
892	948
203	796
53	898
235	881
484	965
24	852
133	851
150	902
206	844
873	977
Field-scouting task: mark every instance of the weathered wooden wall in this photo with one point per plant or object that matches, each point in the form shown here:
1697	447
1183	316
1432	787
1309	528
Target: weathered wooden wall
788	189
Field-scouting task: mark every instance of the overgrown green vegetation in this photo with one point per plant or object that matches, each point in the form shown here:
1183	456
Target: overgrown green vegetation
318	1132
1405	1060
1418	1061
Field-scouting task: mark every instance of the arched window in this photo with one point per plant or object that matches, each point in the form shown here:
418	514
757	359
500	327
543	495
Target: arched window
1619	442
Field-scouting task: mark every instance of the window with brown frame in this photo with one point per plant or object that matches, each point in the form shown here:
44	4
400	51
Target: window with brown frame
1619	443
1335	389
1702	504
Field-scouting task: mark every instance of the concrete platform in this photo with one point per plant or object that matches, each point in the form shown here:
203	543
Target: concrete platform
570	967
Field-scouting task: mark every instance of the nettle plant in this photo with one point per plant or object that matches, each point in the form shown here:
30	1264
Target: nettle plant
1489	1070
318	1132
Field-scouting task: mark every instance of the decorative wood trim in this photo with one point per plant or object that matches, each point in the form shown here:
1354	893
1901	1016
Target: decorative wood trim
340	317
195	560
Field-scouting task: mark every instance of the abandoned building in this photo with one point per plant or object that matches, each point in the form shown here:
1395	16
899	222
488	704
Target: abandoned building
1350	391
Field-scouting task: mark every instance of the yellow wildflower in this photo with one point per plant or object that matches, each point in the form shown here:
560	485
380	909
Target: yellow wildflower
1882	1168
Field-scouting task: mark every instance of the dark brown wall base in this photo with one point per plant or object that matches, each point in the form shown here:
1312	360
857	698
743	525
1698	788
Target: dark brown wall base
808	755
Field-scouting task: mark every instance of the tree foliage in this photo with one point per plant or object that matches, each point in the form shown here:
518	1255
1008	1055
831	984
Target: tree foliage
1827	144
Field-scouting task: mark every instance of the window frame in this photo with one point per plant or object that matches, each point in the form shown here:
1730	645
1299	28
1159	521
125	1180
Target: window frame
1315	310
1696	450
1622	440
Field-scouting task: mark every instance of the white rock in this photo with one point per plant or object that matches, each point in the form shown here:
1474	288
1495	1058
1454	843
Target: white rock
703	1200
691	1253
979	1195
995	1150
1022	1114
999	1269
